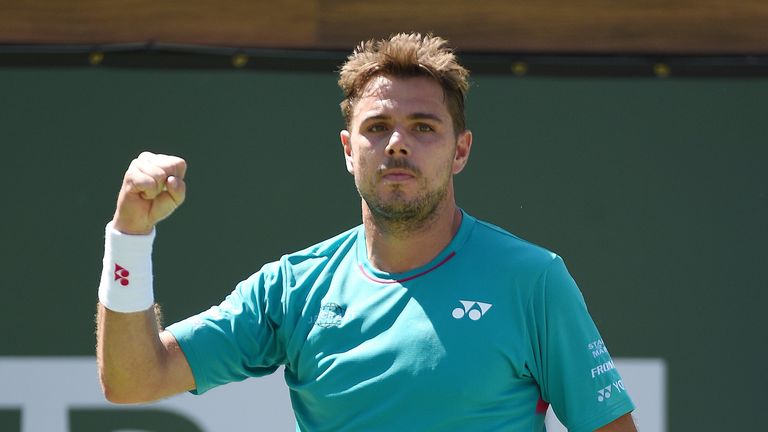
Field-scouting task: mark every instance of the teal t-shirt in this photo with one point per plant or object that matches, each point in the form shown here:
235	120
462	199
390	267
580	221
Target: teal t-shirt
482	338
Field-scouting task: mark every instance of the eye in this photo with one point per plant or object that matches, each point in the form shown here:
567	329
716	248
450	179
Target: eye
376	127
423	127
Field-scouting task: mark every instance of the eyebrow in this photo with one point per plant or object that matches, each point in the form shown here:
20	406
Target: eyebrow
414	116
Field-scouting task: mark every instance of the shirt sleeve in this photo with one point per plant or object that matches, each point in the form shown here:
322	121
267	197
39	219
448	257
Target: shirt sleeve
239	338
574	370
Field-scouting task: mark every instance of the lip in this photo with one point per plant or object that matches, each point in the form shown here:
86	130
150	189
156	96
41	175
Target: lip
397	175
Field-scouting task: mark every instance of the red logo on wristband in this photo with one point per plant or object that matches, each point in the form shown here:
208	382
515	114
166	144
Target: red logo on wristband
121	275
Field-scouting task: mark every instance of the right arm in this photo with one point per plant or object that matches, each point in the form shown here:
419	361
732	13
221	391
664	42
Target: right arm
137	362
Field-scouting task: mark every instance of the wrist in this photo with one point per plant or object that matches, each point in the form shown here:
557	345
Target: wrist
126	277
120	225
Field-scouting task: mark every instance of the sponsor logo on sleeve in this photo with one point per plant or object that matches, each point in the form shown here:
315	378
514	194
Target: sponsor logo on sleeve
606	392
602	368
597	348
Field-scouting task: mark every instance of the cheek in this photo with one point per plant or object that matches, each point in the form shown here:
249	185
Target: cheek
362	167
442	165
364	154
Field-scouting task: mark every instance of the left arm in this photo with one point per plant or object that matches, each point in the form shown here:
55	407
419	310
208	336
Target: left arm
573	368
621	424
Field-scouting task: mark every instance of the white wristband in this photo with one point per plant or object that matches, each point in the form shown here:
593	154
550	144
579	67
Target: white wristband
126	278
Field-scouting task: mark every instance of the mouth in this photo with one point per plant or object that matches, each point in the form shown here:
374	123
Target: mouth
397	175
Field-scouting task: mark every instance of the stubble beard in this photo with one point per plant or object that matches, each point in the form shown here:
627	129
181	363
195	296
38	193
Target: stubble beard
400	217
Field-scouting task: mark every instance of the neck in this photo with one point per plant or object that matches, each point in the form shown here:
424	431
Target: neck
397	248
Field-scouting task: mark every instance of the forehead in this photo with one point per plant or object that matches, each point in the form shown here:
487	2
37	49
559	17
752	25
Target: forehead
392	96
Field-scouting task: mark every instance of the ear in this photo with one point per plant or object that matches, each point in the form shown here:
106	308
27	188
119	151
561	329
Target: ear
463	147
346	144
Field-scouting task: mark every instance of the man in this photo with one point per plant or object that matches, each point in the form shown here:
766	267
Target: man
421	319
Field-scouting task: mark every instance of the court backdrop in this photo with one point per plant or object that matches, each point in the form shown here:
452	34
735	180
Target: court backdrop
62	394
654	191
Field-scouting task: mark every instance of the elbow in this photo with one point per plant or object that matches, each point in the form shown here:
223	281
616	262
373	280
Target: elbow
115	394
122	393
116	397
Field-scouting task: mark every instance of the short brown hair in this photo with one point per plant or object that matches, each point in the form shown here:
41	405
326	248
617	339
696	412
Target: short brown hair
406	55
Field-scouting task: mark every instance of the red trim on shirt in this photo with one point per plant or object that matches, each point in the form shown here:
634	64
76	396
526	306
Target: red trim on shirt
542	406
387	281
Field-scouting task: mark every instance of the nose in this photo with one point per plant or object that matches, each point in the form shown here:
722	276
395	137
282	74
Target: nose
397	145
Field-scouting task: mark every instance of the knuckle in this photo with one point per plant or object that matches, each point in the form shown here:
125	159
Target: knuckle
131	173
130	183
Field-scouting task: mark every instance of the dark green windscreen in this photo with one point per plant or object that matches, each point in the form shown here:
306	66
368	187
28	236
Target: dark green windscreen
654	191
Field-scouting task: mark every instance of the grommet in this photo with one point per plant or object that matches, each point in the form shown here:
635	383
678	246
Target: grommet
95	58
239	60
519	68
661	70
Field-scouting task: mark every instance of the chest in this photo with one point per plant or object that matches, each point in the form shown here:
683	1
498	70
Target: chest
463	341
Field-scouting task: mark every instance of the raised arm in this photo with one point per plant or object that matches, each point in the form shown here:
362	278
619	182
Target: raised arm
137	362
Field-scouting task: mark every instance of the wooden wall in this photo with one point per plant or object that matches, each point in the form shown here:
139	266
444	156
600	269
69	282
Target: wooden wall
556	26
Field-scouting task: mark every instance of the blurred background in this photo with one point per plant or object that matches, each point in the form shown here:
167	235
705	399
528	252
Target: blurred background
629	137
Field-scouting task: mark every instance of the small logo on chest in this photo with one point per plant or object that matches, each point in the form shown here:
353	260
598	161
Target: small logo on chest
473	309
330	315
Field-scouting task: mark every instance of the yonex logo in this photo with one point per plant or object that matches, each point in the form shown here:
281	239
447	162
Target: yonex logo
604	394
121	275
474	309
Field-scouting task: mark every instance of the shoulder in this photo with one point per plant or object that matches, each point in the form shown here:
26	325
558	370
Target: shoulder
329	246
325	250
504	248
307	260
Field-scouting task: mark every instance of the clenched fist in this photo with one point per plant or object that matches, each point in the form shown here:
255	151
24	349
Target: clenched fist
152	188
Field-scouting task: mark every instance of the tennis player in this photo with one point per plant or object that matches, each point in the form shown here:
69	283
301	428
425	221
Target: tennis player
423	318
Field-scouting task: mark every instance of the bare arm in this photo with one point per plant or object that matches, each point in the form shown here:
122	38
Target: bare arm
621	424
137	362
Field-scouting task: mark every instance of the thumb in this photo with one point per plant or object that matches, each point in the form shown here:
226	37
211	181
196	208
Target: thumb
177	189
